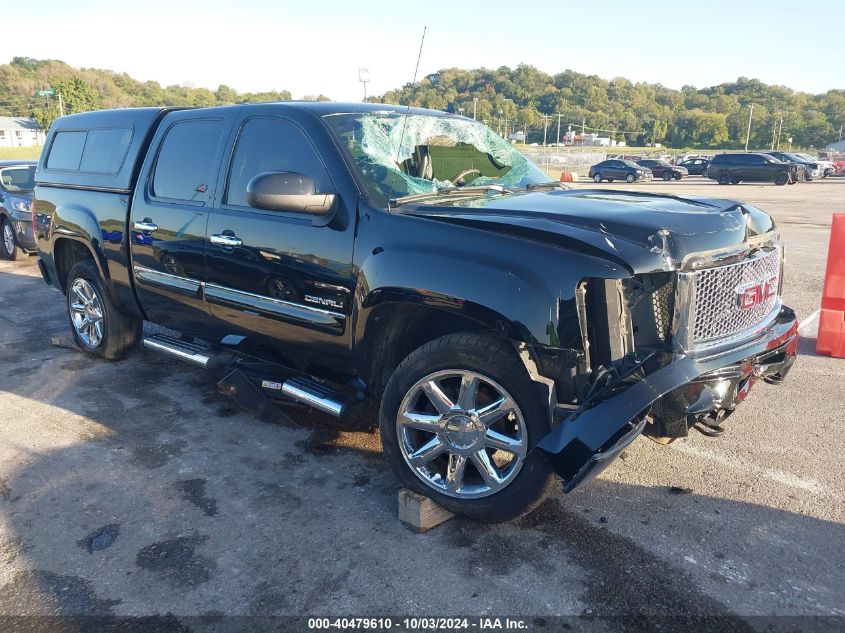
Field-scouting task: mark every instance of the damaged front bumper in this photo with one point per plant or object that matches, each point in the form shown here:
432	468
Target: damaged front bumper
586	441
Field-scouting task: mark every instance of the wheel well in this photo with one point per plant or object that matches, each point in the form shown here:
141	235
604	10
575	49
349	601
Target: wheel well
66	253
395	330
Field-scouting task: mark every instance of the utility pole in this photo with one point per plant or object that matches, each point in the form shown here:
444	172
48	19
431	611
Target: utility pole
558	129
840	132
474	107
780	129
748	132
364	78
546	118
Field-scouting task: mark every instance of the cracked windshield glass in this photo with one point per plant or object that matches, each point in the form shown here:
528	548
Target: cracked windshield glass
398	155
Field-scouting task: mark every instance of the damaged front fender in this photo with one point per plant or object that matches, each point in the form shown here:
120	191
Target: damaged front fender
586	441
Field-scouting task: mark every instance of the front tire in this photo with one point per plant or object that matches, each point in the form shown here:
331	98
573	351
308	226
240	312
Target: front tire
630	178
9	243
97	326
458	419
782	178
724	178
596	177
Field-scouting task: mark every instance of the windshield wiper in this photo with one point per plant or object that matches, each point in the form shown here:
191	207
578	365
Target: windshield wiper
452	191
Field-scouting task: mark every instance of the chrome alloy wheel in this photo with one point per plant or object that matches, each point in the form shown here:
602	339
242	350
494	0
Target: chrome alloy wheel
462	434
86	313
8	238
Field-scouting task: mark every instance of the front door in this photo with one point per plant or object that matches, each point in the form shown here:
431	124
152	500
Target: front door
167	225
273	277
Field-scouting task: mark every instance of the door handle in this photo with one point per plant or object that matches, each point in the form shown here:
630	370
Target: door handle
221	239
146	226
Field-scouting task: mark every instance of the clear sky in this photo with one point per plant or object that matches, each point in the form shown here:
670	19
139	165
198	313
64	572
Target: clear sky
317	46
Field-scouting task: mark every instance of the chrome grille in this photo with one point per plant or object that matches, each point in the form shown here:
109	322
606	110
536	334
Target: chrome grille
718	313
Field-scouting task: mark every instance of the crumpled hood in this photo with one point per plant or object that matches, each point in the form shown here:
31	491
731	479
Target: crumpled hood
643	231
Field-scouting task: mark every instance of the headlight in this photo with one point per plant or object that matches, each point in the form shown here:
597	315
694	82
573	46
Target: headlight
22	206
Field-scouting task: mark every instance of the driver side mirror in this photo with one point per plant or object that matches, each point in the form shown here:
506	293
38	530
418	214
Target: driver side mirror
289	191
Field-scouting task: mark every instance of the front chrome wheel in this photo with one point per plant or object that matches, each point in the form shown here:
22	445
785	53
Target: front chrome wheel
86	313
462	434
8	239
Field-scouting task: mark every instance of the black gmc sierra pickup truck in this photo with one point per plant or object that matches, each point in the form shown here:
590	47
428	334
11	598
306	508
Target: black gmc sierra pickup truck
342	255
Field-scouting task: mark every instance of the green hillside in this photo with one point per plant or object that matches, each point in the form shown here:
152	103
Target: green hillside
638	113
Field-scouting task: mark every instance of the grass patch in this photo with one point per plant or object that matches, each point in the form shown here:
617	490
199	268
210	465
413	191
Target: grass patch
20	153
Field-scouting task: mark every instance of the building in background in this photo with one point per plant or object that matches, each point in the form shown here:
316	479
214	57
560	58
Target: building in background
836	147
20	132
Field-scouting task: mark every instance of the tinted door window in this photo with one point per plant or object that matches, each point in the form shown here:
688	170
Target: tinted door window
272	144
185	165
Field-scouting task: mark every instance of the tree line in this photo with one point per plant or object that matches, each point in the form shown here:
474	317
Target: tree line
517	98
637	113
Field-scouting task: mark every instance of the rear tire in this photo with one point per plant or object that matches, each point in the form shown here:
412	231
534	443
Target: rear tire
667	176
97	326
451	360
724	178
782	178
9	243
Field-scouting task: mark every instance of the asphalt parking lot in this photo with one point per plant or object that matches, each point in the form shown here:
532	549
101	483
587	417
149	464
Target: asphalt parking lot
134	488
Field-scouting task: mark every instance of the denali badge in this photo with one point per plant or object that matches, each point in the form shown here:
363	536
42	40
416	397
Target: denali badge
329	303
755	293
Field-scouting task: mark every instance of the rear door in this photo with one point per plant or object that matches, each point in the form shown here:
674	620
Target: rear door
167	224
274	277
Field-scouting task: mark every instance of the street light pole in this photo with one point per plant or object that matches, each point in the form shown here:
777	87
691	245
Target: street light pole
748	132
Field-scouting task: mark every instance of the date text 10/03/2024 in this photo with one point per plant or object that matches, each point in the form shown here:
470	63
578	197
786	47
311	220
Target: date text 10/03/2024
418	624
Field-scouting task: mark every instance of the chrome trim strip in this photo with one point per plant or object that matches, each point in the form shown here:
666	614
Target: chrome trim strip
707	259
243	299
194	358
166	280
683	316
293	389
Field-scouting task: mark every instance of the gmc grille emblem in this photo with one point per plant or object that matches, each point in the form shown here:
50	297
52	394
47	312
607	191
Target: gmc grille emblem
755	293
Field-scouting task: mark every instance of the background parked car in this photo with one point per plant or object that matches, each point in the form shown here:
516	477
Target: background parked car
812	169
626	170
731	169
695	166
17	180
827	167
662	169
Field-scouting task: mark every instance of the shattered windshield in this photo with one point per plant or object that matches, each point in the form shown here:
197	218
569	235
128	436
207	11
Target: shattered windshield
398	155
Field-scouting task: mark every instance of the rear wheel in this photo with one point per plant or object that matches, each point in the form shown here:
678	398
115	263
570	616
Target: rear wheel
782	178
724	178
97	326
458	419
11	250
667	175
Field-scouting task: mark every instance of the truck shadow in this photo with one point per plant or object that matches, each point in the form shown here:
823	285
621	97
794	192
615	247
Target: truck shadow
134	488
